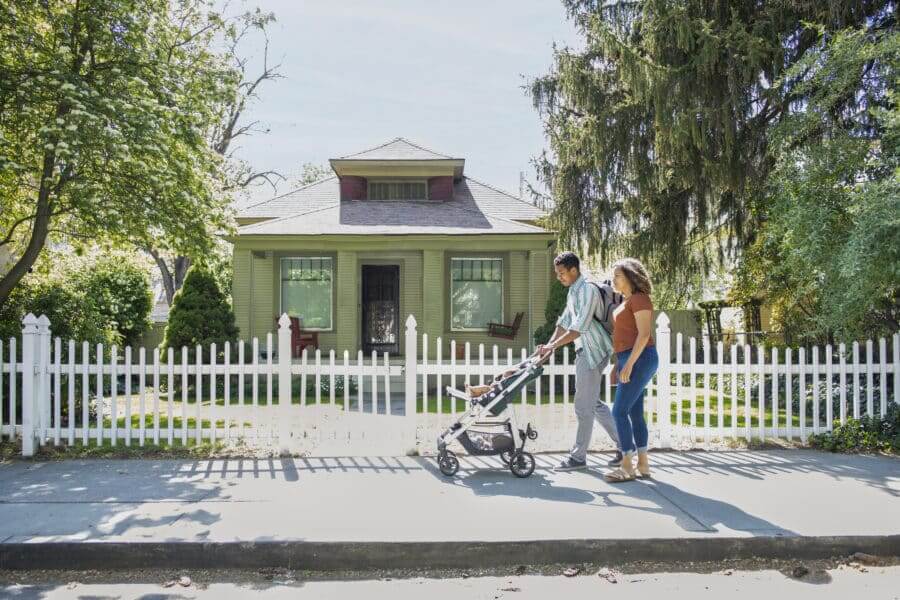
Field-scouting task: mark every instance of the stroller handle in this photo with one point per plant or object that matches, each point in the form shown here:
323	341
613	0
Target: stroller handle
539	359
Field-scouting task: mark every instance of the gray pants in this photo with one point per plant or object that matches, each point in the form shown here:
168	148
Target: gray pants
588	406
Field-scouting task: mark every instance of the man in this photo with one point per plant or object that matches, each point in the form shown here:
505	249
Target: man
593	348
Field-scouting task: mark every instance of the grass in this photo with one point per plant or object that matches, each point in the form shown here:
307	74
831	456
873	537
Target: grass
768	415
164	422
447	406
192	450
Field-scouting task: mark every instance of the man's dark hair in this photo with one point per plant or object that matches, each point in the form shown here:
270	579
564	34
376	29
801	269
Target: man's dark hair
568	260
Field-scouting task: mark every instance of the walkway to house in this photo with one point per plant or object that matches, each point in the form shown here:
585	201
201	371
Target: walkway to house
693	496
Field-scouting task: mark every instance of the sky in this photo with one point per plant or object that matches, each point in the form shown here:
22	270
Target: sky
447	75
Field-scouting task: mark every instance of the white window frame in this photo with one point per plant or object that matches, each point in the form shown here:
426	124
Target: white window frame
281	286
389	181
502	291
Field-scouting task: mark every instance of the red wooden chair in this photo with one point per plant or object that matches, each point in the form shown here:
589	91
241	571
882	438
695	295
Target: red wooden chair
507	332
301	339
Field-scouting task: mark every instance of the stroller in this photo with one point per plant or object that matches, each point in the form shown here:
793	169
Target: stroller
486	430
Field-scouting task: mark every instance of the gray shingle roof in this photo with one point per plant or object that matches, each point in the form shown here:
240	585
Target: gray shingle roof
477	195
468	194
397	149
398	217
322	193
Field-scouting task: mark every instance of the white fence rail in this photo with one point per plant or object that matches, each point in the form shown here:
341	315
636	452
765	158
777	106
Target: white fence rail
56	392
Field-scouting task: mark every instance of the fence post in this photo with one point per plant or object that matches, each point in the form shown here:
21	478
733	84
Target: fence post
663	396
284	381
29	366
43	388
412	358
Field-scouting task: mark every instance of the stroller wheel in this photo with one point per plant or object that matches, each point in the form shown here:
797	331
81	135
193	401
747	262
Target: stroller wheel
448	463
522	464
506	456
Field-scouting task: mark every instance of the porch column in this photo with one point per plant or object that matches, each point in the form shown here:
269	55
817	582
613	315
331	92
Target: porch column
434	287
347	303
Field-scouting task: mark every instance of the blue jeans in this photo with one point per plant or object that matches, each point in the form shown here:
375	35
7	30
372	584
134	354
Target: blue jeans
628	408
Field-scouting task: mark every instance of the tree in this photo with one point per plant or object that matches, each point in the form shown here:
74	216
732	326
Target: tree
660	128
104	107
827	256
311	173
227	126
201	315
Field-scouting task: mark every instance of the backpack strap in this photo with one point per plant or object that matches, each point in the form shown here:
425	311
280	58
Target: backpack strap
603	301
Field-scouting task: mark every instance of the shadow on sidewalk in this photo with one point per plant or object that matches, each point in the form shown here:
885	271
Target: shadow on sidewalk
879	472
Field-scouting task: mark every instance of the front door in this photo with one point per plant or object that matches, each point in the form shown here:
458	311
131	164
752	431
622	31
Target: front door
381	308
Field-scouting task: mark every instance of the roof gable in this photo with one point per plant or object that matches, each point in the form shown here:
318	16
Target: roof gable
397	149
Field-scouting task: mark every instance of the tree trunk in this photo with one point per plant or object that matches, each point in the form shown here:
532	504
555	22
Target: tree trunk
182	264
172	278
39	229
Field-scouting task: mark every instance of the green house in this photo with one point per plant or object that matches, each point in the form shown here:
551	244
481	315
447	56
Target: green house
397	230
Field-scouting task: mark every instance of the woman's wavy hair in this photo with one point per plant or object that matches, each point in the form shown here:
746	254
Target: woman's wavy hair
636	274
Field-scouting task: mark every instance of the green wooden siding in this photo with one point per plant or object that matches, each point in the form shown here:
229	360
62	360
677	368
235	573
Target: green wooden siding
240	290
540	278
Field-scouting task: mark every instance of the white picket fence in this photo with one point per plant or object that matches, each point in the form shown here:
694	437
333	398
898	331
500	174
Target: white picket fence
57	393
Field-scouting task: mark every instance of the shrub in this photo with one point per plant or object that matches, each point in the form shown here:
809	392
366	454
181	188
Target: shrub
120	291
556	303
200	315
867	434
71	315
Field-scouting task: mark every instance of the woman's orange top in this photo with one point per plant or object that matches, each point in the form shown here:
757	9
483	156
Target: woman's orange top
625	331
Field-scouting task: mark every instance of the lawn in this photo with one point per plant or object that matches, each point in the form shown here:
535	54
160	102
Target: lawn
700	403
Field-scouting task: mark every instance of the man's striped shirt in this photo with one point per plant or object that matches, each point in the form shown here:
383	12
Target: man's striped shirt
581	304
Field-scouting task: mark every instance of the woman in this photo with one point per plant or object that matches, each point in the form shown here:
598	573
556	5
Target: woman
636	362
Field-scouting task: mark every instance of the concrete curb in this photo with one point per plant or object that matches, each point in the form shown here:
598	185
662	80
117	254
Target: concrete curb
357	556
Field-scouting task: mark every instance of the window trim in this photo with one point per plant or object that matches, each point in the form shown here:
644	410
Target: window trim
369	183
450	293
281	287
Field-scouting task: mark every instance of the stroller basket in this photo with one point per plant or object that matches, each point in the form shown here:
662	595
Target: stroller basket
494	439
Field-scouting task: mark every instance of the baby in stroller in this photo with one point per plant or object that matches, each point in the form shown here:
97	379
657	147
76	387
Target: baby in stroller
486	429
476	391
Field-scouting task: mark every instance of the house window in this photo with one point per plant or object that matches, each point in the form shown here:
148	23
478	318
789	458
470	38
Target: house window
306	290
476	293
398	190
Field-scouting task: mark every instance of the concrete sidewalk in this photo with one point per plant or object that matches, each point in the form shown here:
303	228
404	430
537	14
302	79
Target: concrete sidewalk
403	509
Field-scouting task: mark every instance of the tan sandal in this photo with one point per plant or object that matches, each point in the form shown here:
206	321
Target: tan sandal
619	476
643	466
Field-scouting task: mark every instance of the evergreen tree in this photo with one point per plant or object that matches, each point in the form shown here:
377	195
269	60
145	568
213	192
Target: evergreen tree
200	315
659	128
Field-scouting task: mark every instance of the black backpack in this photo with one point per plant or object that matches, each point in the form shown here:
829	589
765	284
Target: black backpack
610	300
